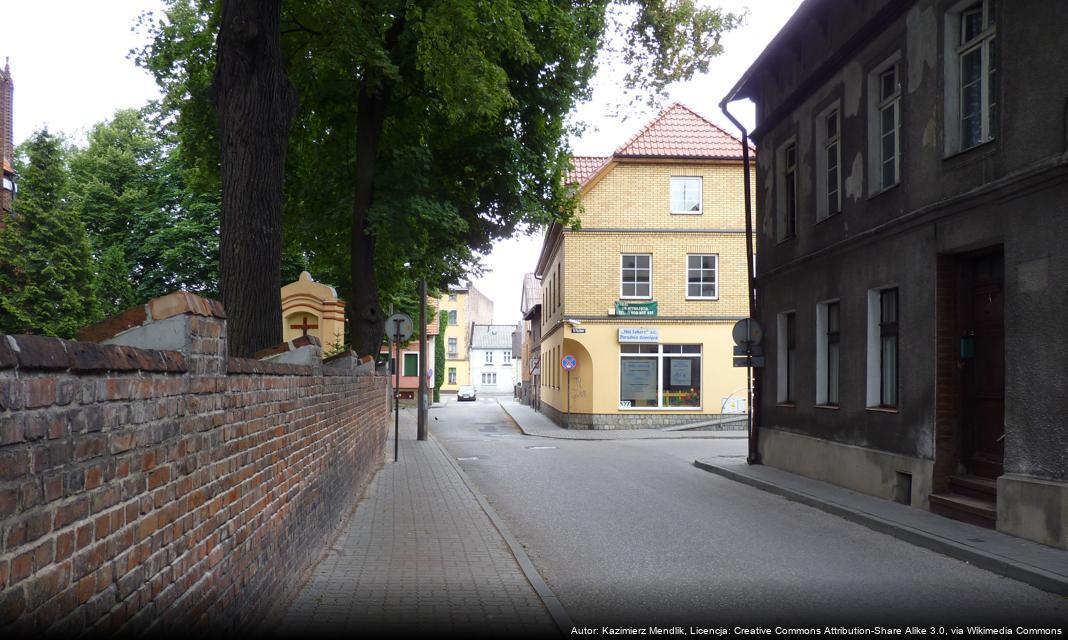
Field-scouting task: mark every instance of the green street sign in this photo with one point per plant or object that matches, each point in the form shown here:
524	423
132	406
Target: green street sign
635	308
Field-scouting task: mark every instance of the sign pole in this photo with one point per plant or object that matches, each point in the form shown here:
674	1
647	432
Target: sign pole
421	424
396	393
569	398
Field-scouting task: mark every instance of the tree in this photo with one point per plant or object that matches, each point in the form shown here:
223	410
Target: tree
152	231
255	103
430	128
46	270
439	355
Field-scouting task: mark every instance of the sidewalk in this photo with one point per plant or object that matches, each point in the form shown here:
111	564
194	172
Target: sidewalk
1038	565
423	553
533	423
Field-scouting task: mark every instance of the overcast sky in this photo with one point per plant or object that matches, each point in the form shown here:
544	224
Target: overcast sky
70	66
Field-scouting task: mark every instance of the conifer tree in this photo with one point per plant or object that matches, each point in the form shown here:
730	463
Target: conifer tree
46	270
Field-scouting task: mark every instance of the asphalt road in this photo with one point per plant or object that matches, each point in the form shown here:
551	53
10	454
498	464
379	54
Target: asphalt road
629	533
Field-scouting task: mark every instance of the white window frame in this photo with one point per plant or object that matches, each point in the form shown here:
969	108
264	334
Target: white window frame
953	59
660	355
823	351
488	357
700	195
625	297
454	318
873	398
507	357
877	104
453	342
824	208
781	170
715	275
451	375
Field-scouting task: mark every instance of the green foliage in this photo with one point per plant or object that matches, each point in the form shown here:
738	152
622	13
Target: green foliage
476	98
46	278
129	187
439	355
113	288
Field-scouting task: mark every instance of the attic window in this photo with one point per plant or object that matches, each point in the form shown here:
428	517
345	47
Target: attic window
686	195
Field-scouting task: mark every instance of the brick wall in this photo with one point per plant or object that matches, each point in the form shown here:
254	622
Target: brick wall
171	490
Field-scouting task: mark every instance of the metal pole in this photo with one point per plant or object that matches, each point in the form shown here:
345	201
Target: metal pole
396	393
421	421
569	398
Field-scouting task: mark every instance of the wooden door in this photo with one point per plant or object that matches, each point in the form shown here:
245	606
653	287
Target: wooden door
984	382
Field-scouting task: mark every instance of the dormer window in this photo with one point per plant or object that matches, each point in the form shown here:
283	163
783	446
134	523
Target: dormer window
686	195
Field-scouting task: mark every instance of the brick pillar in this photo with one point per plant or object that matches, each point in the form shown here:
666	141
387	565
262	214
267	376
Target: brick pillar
178	321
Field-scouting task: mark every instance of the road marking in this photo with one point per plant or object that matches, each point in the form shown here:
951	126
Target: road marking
541	447
468	458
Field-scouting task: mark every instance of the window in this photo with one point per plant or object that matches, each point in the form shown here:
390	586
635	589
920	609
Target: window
701	276
489	357
827	341
636	276
452	347
507	357
489	378
977	84
788	192
452	317
828	164
786	360
411	364
452	297
664	376
883	348
884	86
686	195
452	375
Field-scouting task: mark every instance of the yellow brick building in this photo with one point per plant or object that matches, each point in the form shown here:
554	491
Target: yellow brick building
466	306
645	291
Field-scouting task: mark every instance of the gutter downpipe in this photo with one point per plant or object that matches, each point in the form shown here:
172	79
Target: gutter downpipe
754	372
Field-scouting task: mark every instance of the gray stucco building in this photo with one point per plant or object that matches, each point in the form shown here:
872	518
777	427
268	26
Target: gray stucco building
912	254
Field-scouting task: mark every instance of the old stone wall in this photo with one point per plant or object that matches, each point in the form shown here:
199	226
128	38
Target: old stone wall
171	490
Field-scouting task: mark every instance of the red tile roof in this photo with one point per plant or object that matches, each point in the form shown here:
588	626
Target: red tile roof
679	132
585	168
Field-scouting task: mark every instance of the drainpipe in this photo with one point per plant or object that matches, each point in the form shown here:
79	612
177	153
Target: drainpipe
754	399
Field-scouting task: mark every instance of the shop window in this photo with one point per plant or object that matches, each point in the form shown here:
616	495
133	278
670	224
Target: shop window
663	376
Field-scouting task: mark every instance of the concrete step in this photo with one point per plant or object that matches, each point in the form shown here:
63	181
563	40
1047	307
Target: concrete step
977	511
974	486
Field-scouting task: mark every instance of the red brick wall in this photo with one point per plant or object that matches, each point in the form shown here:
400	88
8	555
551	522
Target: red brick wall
169	491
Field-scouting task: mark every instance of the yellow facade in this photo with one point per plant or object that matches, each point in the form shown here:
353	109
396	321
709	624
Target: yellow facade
626	210
312	307
469	306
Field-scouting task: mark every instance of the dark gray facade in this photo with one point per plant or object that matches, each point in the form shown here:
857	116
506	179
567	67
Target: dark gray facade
948	124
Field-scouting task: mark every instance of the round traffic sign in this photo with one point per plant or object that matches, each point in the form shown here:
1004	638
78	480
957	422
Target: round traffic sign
399	327
568	362
747	331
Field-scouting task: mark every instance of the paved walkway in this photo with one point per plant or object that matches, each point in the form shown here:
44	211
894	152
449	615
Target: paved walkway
534	423
421	553
1036	564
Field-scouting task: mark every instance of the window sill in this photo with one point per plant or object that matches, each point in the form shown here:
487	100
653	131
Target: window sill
635	297
954	156
827	217
830	407
787	405
696	299
882	409
872	196
786	239
686	213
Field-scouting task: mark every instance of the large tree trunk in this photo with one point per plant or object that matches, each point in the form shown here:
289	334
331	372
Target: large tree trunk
256	104
367	321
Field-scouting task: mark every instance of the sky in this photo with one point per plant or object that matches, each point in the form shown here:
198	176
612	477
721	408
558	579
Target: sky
69	61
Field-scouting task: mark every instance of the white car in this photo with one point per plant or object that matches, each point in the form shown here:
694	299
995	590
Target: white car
466	392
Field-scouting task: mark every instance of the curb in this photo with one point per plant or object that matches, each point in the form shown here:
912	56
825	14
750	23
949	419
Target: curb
556	610
742	434
1034	576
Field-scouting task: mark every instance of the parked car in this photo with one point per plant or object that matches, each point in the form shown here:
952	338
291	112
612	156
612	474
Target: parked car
465	393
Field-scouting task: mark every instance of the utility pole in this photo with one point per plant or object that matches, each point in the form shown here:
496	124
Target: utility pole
421	424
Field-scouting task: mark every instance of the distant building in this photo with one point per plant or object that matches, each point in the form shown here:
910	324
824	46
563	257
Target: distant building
530	307
492	369
912	221
465	305
7	141
645	293
311	308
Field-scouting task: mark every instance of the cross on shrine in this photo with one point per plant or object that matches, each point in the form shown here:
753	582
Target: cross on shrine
304	326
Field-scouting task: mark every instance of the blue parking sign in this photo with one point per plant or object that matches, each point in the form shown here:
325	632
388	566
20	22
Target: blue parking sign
568	362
